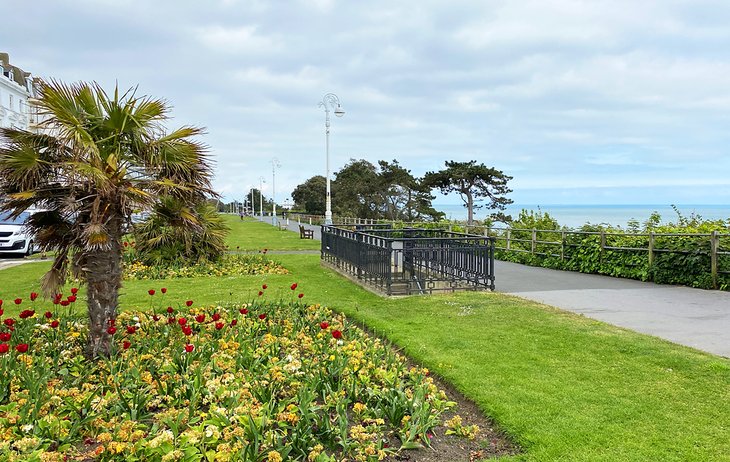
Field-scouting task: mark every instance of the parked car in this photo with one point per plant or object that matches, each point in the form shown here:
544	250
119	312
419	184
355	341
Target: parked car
13	235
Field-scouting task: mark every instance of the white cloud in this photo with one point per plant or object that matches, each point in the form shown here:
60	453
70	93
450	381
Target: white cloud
243	39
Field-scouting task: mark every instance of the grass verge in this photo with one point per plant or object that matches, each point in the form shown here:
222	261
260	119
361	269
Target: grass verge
250	234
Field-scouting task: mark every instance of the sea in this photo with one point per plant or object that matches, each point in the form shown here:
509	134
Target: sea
575	216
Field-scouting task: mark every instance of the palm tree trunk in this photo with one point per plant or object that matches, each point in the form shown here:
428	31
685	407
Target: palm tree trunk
103	270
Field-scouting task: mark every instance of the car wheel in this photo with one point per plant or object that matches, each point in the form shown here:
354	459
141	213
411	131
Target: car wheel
29	252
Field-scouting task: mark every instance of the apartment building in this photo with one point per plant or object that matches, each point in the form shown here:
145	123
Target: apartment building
16	87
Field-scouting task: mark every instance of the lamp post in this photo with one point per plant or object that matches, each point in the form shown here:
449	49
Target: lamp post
330	101
261	196
252	202
274	165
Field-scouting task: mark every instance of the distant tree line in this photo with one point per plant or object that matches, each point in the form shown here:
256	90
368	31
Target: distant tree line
390	191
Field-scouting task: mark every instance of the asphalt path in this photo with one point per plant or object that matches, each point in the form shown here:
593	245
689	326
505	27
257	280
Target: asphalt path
693	317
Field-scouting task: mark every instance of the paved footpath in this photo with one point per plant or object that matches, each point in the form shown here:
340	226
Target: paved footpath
692	317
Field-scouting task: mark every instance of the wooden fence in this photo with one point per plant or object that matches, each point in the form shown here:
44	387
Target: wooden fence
538	244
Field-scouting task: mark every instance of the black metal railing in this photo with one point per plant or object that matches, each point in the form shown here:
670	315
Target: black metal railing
410	261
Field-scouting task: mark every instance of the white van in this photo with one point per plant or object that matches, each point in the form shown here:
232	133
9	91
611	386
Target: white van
13	237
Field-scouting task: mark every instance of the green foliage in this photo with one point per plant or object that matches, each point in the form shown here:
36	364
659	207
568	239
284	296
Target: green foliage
310	195
681	250
362	189
176	233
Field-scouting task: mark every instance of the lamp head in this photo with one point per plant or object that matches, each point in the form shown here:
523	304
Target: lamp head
339	112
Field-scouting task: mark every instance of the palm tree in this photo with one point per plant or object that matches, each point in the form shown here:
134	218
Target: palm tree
95	159
176	232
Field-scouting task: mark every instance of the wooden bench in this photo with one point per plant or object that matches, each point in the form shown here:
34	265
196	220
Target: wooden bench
305	233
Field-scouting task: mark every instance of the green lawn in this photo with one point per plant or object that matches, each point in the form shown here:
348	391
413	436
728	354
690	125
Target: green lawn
251	234
564	386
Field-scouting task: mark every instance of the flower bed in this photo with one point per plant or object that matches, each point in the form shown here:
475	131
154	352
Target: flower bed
230	265
254	382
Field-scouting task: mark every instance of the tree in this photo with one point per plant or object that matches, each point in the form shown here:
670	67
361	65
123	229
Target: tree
355	190
98	158
175	232
473	182
404	197
310	196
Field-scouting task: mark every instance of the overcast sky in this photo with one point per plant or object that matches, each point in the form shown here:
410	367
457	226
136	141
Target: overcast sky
581	102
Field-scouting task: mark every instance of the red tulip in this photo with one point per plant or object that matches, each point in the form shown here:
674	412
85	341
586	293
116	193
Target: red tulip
21	347
4	348
5	336
216	317
126	344
126	243
33	296
26	314
155	317
71	298
260	293
112	330
131	329
171	320
1	310
187	330
337	334
18	301
54	323
9	322
262	316
74	290
189	303
189	348
151	291
264	287
234	322
219	325
323	325
48	315
293	286
182	321
300	295
169	309
1	302
163	290
200	318
64	303
112	322
243	311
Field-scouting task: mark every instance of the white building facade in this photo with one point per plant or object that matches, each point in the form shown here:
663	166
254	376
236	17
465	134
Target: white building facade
16	88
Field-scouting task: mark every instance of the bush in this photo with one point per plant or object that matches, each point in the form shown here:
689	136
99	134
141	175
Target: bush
176	234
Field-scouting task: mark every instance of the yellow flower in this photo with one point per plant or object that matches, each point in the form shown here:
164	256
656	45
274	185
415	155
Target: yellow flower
274	456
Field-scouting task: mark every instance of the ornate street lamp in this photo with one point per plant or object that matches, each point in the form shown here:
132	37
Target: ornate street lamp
330	101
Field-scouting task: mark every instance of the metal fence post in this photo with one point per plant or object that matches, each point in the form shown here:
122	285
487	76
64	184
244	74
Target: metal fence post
562	245
714	247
